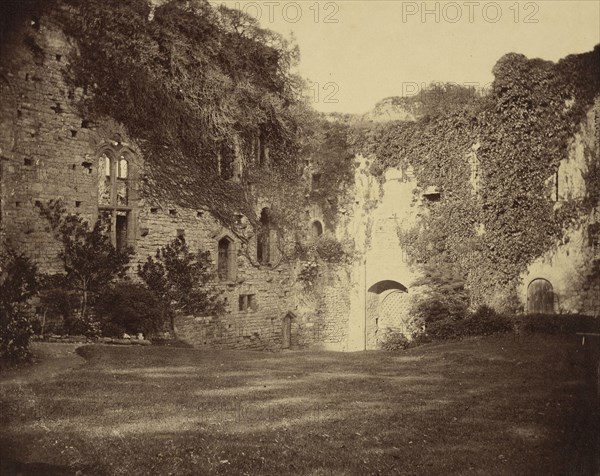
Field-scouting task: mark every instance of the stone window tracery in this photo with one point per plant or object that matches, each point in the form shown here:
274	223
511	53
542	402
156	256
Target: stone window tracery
114	196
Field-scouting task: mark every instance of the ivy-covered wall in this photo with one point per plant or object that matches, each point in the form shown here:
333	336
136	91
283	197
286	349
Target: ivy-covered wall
504	187
51	150
491	164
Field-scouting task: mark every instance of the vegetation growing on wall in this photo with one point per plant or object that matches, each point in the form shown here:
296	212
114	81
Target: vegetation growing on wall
191	82
194	84
324	251
518	133
333	159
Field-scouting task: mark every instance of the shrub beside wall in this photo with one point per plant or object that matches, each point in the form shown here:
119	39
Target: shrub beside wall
556	324
18	283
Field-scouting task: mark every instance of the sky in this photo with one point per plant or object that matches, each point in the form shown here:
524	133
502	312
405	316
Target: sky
356	52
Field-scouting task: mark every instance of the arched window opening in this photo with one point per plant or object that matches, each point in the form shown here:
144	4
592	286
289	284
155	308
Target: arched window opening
226	158
122	182
106	165
226	259
123	165
114	197
263	239
316	229
104	180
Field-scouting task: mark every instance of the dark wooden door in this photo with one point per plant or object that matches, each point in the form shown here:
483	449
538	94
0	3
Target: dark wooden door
540	297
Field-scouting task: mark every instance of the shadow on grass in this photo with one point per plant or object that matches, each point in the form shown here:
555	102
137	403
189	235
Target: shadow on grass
494	406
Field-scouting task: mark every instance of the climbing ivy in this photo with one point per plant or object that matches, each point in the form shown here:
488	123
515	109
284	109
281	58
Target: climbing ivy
519	132
188	80
333	159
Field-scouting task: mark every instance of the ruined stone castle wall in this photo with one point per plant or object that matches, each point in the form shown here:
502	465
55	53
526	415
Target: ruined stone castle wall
569	267
49	151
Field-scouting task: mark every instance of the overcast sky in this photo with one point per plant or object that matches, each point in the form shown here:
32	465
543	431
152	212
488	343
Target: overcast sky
357	52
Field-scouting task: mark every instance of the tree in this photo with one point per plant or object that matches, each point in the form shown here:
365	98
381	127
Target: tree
445	298
90	260
180	279
18	283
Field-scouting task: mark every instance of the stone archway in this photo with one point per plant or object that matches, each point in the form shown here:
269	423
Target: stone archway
540	297
387	307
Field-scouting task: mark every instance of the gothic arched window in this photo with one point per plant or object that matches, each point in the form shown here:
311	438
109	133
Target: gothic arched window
114	197
226	266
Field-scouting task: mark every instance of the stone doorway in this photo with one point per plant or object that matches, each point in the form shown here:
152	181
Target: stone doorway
387	307
286	331
394	311
540	297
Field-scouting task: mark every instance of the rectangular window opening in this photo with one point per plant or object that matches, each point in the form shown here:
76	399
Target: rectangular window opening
243	303
316	181
252	302
247	302
121	230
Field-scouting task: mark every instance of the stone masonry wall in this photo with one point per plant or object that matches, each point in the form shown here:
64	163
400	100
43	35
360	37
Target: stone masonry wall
49	151
323	309
44	143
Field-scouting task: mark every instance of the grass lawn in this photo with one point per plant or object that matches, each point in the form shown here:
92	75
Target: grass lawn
493	406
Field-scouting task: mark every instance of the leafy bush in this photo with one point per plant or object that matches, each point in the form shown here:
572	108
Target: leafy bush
394	340
445	298
18	283
129	307
90	260
558	323
436	307
484	321
445	329
59	306
179	279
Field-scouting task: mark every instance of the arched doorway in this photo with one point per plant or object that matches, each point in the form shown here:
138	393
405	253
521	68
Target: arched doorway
540	297
394	311
286	331
387	307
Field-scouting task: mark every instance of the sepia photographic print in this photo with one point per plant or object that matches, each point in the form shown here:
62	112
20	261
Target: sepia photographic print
312	237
